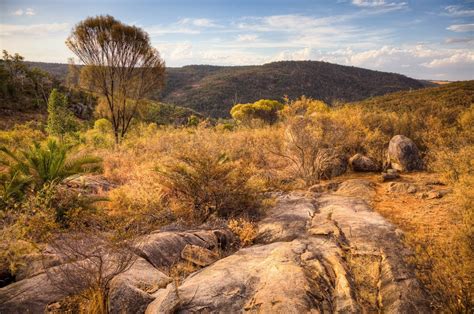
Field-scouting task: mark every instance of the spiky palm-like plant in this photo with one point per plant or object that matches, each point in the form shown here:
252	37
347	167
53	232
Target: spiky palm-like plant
50	162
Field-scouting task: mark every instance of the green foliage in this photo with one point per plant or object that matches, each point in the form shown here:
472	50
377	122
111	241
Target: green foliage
264	110
103	126
165	114
21	87
50	162
193	121
61	121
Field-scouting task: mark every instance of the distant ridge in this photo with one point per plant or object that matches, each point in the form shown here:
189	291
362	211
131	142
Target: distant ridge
213	90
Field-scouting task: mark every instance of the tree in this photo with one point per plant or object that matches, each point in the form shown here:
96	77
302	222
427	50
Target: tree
60	120
120	63
264	109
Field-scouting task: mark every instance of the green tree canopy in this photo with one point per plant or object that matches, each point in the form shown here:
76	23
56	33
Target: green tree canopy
60	119
263	109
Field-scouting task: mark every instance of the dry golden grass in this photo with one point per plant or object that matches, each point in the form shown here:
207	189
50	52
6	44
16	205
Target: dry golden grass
434	231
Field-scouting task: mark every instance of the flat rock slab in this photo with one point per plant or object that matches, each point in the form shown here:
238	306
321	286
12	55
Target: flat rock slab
331	255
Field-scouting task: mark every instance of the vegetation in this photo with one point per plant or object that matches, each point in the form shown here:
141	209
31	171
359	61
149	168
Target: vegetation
61	121
174	167
264	110
120	64
214	90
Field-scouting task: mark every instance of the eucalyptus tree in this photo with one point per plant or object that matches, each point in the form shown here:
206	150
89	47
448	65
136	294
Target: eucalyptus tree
120	64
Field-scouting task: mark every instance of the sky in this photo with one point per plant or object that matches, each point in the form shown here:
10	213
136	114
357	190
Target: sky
425	39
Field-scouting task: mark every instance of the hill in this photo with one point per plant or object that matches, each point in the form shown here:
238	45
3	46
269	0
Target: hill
213	90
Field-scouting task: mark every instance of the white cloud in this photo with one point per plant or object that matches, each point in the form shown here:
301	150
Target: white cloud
461	28
380	5
298	55
247	37
33	29
198	22
418	61
457	58
182	26
30	12
458	11
27	12
176	51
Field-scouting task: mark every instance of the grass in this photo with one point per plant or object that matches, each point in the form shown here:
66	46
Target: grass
433	230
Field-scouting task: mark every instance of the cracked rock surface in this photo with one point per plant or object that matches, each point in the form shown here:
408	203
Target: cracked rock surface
332	254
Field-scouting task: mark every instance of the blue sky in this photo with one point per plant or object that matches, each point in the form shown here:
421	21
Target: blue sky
422	39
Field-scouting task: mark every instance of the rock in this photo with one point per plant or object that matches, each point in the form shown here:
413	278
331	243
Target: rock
356	188
353	262
361	163
31	295
386	176
324	187
132	291
91	183
36	264
163	249
288	220
403	154
166	301
401	187
435	194
336	167
198	255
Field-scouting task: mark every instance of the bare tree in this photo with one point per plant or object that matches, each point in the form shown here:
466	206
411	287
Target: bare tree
120	62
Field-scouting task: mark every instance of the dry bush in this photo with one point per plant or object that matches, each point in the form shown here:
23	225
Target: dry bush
311	148
244	229
202	181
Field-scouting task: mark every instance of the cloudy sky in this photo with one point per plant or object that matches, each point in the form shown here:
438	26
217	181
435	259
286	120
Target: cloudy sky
428	39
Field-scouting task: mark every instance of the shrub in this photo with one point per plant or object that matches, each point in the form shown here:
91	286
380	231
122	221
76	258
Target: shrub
61	121
203	182
48	162
264	110
244	229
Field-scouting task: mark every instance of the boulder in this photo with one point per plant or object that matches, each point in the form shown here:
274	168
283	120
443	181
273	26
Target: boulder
163	249
361	163
36	264
166	301
132	291
403	154
336	167
31	295
333	255
198	255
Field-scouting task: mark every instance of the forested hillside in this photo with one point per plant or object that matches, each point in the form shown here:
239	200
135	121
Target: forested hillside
213	90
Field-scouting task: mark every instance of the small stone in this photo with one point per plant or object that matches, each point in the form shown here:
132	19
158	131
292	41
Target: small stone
198	255
389	176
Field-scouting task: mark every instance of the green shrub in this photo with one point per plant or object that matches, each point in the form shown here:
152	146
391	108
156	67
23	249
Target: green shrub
264	110
61	121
